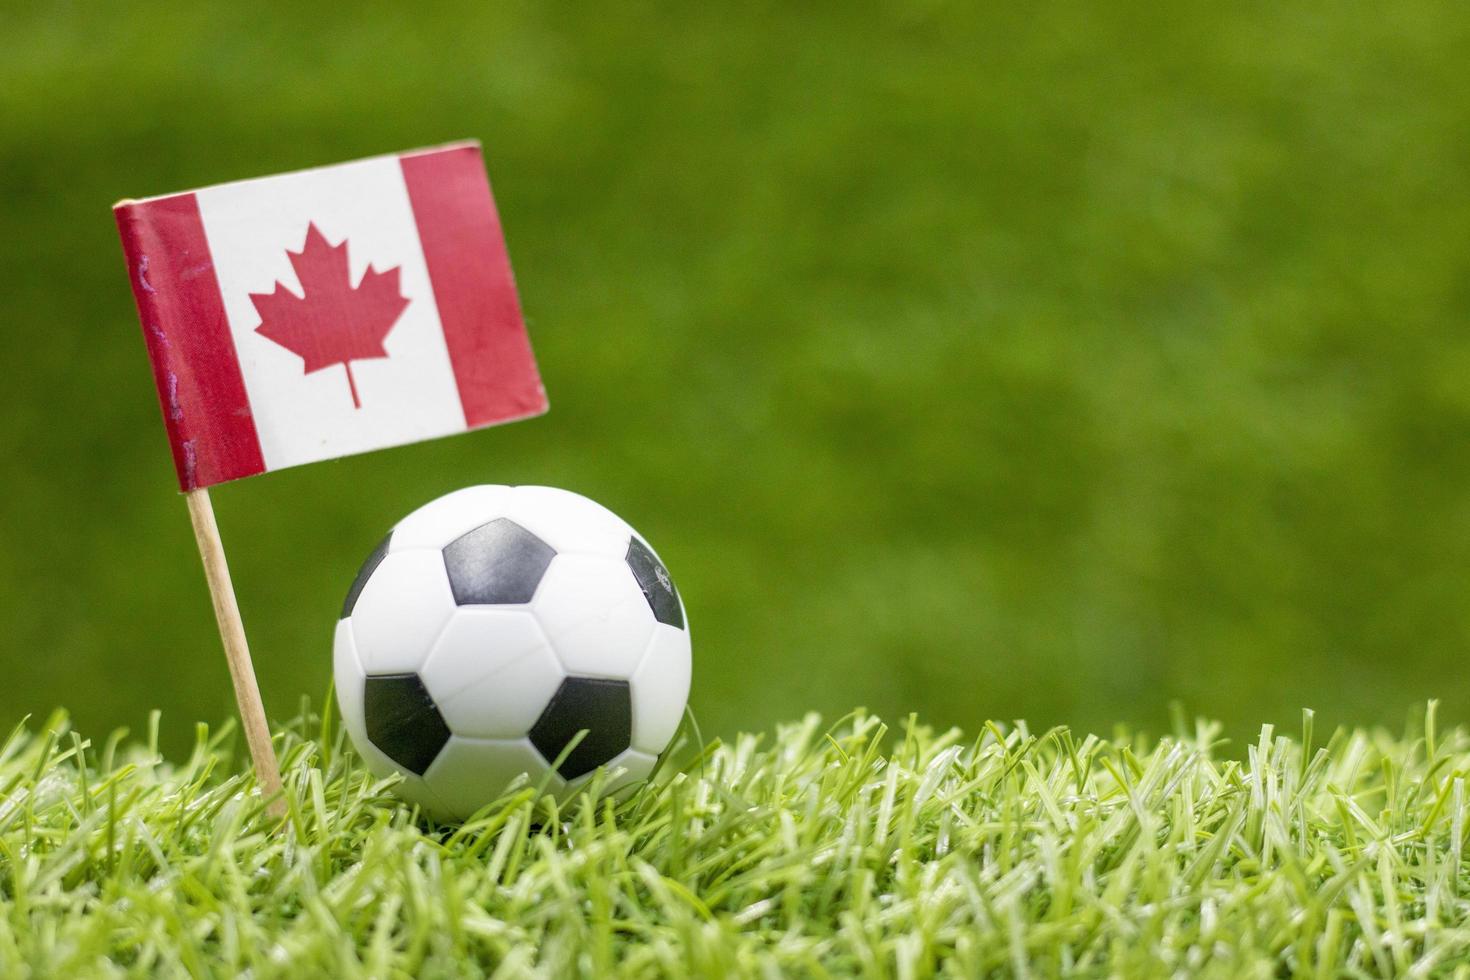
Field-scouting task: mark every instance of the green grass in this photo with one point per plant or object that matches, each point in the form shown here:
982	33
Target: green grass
848	850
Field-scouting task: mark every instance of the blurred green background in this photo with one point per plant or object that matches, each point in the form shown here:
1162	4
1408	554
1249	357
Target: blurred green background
973	360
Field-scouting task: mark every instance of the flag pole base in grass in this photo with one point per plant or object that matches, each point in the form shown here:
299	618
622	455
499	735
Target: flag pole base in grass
237	650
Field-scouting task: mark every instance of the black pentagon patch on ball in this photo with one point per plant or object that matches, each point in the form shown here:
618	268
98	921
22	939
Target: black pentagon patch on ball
403	721
658	587
365	572
499	562
603	707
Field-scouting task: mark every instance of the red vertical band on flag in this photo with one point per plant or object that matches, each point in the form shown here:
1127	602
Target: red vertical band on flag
200	387
474	290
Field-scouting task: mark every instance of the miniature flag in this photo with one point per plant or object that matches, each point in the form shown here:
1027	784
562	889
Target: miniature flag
317	314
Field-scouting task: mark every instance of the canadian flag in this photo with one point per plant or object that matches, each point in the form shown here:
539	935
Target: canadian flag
326	312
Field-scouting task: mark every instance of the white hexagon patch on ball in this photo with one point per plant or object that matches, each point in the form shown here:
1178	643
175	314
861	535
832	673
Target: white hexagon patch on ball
493	625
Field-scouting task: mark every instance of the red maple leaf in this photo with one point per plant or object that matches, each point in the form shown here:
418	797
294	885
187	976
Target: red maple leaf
333	322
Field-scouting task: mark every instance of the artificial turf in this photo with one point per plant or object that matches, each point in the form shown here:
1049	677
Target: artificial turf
812	850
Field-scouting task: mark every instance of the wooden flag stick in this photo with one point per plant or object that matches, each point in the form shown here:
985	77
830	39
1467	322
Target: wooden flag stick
237	650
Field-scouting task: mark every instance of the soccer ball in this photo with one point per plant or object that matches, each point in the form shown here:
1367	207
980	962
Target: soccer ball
493	625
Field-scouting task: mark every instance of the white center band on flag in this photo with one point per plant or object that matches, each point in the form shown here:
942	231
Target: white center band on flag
301	418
